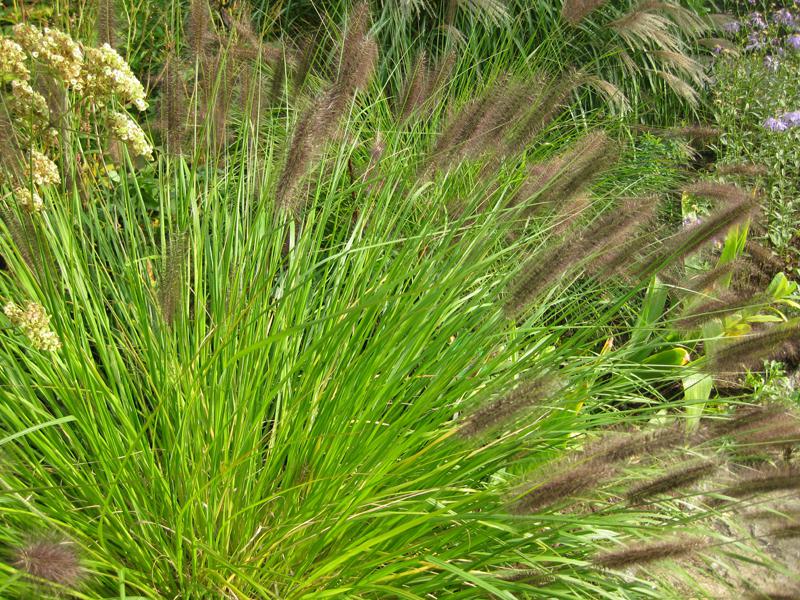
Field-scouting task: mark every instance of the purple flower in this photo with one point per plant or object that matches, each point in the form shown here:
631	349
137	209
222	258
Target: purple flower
757	21
732	27
794	41
791	119
754	42
772	63
783	17
774	124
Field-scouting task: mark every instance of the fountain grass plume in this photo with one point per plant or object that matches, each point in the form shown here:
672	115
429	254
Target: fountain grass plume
574	479
587	246
416	89
749	351
640	444
768	479
528	394
575	11
106	22
320	121
715	308
677	478
740	208
553	98
645	553
172	105
198	32
743	169
49	560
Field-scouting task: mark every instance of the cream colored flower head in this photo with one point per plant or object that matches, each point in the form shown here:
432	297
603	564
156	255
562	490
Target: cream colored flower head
53	48
42	170
127	130
106	74
28	200
29	104
34	322
12	60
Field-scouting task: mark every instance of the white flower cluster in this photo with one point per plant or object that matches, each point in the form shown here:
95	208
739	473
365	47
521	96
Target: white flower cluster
107	74
34	322
96	75
54	48
29	199
127	130
12	60
30	104
42	170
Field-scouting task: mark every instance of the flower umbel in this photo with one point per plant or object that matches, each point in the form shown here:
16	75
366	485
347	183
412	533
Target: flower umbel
54	48
127	130
29	200
34	322
105	74
12	60
42	170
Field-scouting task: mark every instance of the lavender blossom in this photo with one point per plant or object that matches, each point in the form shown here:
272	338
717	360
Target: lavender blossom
774	124
732	27
794	41
757	21
754	42
792	119
784	17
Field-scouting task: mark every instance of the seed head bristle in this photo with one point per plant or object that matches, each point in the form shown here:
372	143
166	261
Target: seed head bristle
705	281
573	171
745	417
173	104
320	121
779	341
675	479
692	133
573	480
644	443
198	29
507	100
545	108
526	395
588	246
416	89
691	239
106	23
770	479
575	11
763	259
720	192
50	560
742	169
715	308
442	71
455	134
303	61
23	234
172	277
640	554
278	80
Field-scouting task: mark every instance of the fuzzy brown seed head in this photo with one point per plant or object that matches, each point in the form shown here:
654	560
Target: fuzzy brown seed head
674	479
573	480
574	11
769	479
640	554
530	393
51	560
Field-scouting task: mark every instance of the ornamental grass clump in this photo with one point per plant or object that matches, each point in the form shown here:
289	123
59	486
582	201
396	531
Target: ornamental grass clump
278	367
